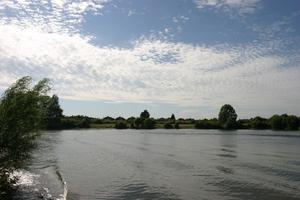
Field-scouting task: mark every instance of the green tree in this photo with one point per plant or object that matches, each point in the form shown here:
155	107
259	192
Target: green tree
277	122
173	119
145	114
227	117
53	113
292	122
168	125
149	123
259	123
138	122
177	126
121	125
21	116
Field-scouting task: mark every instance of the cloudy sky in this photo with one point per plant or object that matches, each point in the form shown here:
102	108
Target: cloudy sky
187	57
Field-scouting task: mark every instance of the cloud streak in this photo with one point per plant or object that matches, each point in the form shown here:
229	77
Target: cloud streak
241	6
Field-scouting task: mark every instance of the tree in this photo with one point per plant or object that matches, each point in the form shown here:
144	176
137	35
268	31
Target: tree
145	114
227	117
292	122
21	116
277	122
173	119
148	123
284	122
138	122
53	113
259	123
168	126
121	125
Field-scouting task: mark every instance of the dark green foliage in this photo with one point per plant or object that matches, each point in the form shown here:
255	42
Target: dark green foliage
21	116
149	123
53	113
121	125
73	122
186	121
292	122
284	122
173	119
177	126
132	125
131	119
108	120
277	122
207	124
244	124
21	113
138	123
168	126
120	119
145	114
144	122
227	117
259	123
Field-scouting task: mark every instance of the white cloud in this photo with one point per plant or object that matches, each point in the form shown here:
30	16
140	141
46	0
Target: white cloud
152	70
241	6
48	15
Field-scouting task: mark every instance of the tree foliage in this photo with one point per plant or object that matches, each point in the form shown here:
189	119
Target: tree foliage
21	116
284	122
259	123
145	114
173	119
227	117
121	125
53	113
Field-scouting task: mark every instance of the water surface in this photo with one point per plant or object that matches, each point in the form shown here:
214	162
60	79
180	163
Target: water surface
165	164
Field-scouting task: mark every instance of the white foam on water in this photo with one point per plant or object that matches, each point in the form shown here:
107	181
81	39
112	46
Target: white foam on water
30	183
63	196
24	178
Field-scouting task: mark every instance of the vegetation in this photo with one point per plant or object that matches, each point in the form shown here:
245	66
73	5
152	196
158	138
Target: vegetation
121	125
22	113
227	117
207	124
284	122
168	126
259	123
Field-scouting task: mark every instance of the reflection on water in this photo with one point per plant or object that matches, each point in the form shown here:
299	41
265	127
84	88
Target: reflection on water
170	164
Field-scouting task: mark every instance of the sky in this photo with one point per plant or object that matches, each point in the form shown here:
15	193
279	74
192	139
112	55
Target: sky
187	57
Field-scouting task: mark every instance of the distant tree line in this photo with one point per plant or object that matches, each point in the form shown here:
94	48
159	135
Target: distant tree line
227	120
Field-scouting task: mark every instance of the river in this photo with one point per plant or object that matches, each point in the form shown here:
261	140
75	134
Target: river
163	164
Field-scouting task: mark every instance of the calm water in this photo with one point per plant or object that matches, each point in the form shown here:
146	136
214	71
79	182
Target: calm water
164	164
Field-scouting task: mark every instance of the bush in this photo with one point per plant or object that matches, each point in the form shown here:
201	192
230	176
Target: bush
121	125
168	126
292	123
206	124
259	123
148	123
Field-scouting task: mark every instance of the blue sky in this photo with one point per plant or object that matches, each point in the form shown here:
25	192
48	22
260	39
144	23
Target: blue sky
187	57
